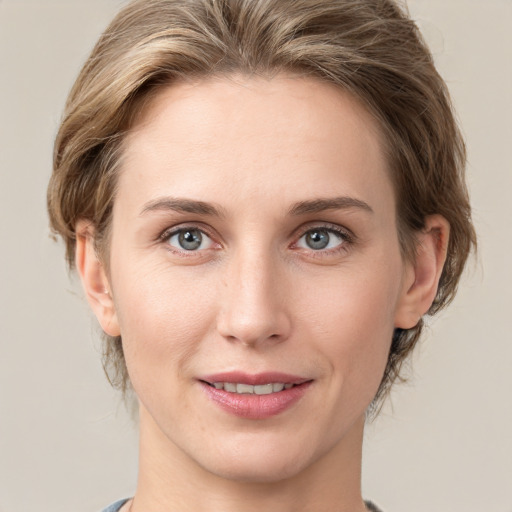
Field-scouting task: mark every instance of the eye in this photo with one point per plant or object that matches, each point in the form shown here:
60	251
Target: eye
319	239
189	239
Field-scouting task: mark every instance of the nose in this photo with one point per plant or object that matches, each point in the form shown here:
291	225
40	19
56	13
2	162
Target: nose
253	309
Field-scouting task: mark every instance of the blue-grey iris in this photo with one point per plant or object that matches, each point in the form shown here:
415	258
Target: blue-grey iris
318	239
190	239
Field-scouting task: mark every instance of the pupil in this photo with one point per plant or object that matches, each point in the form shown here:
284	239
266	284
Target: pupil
317	239
190	240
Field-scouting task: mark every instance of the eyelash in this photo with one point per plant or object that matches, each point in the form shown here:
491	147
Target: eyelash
346	236
169	233
347	239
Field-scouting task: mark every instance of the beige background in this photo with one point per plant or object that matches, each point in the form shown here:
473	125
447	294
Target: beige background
66	443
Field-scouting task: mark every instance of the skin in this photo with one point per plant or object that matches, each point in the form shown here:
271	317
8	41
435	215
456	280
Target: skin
255	296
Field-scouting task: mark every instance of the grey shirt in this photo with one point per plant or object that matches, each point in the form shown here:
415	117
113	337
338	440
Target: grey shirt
115	507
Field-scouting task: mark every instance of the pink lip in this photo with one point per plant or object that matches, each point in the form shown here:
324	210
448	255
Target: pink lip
255	407
254	380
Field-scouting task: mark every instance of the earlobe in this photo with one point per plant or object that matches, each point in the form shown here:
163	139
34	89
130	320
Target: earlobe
94	279
421	279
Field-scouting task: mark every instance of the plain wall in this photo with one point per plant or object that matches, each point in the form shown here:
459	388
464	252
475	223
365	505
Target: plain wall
444	441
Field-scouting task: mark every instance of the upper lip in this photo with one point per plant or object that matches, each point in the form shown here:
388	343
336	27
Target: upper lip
254	379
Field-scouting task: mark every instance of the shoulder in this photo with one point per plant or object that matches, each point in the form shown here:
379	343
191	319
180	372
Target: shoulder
115	507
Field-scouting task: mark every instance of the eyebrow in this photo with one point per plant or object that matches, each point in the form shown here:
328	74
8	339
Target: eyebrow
182	206
301	208
334	203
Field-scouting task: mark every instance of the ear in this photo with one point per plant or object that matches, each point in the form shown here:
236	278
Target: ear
94	279
421	277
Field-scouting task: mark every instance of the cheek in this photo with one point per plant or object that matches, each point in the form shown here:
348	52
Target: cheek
163	316
353	321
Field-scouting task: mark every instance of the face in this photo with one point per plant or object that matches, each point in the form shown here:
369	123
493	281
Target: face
255	272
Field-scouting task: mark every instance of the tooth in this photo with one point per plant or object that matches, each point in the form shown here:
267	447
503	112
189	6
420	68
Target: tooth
261	389
264	389
245	388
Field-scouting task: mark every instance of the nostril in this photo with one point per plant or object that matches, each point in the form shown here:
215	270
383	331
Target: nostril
253	322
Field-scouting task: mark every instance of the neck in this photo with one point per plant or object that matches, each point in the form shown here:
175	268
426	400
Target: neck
169	480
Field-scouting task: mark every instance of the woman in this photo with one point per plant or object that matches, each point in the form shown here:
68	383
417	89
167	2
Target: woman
262	199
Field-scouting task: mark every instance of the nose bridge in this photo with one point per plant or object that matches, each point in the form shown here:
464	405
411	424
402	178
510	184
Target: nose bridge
253	305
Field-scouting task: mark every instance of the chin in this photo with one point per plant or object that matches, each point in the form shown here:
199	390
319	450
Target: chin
257	472
262	460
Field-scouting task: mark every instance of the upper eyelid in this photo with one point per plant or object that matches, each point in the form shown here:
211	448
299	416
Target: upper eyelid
328	226
168	232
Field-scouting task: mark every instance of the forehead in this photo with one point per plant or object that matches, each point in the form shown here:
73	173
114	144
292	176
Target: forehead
286	136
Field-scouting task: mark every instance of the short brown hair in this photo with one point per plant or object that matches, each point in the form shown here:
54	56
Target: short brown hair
370	48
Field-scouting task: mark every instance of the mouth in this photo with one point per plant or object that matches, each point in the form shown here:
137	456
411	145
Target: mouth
255	397
249	389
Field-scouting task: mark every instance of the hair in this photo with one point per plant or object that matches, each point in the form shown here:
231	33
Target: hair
368	48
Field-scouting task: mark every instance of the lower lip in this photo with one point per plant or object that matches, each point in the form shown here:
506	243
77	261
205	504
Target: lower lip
255	407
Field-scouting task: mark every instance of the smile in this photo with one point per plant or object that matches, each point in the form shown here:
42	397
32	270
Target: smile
248	389
254	397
